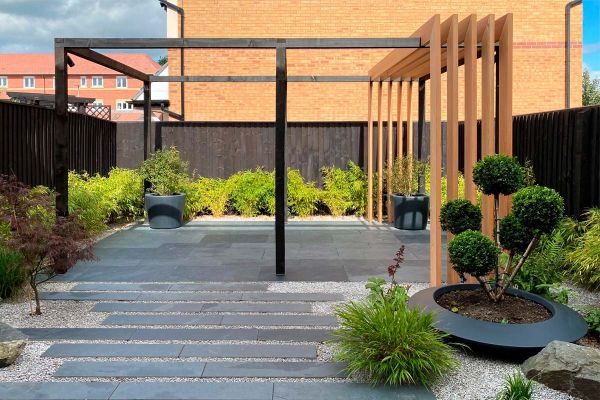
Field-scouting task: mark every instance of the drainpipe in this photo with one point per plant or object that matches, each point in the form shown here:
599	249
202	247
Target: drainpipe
167	5
568	7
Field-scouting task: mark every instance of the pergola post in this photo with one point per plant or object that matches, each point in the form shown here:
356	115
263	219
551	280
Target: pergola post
469	25
420	121
390	154
409	130
280	169
61	131
399	128
147	117
505	81
370	155
379	154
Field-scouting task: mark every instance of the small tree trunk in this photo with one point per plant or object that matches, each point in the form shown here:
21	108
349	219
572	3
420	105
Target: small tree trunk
497	236
33	284
506	283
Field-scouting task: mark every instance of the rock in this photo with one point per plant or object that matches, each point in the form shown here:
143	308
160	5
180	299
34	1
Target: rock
567	367
10	351
12	343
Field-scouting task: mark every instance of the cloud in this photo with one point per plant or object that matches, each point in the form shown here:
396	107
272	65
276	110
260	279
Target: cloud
32	25
589	48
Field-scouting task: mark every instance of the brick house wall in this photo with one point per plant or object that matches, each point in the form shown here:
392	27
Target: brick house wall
539	53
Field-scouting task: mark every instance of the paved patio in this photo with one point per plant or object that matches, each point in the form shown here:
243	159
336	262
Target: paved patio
245	251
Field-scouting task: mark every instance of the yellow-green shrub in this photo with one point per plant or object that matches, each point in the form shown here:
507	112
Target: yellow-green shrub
302	196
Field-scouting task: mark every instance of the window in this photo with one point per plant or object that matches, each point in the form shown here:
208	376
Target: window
29	82
83	81
97	81
3	81
123	105
121	81
98	103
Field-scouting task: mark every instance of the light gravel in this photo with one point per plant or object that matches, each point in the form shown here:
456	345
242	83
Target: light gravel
55	314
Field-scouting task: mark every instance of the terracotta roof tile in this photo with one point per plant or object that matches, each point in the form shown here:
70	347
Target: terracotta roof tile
43	64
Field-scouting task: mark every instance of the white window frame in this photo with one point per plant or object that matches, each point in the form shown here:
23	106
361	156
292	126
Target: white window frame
101	81
121	77
83	81
26	79
3	81
128	106
98	103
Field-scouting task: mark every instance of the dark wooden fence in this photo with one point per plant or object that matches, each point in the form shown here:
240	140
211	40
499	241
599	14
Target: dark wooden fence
564	147
27	137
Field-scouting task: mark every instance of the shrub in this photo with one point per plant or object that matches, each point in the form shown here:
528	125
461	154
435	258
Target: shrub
457	216
514	236
538	208
87	200
498	174
302	197
206	196
166	172
584	259
592	317
473	253
516	387
391	342
252	192
12	275
345	191
49	244
405	175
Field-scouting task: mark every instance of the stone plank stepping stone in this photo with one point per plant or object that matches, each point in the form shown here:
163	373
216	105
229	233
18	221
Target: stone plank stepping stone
89	296
229	296
347	391
295	335
112	350
194	391
228	319
78	333
249	351
56	390
200	369
224	286
204	307
160	287
276	296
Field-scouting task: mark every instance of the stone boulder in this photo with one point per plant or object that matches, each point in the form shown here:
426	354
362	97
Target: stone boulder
12	343
567	367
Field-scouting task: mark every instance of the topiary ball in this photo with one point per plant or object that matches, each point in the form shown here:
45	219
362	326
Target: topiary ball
473	253
514	236
538	208
457	216
498	174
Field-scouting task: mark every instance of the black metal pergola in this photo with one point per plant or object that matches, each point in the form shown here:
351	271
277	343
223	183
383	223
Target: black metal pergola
82	47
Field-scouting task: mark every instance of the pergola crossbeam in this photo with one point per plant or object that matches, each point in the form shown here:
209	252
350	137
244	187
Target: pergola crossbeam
111	63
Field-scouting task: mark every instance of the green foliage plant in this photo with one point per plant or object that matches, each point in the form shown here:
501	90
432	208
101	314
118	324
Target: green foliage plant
592	317
345	190
536	211
460	215
406	171
252	192
392	343
302	196
591	89
516	387
583	259
12	275
166	172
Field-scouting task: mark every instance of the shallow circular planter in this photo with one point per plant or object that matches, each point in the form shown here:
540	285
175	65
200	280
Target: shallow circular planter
410	212
164	212
507	340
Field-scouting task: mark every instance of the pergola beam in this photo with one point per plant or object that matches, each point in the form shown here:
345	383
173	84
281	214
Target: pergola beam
108	62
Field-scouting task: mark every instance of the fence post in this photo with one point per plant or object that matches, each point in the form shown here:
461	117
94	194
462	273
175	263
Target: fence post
61	132
280	170
581	179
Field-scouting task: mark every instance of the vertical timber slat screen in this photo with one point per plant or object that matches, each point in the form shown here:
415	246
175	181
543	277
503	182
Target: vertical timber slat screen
27	140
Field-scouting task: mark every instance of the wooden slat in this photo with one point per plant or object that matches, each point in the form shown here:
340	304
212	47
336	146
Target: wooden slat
379	154
470	66
390	153
409	127
435	239
505	37
111	63
370	155
486	28
452	128
399	130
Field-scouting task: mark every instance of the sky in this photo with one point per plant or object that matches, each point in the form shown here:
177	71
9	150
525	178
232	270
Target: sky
32	25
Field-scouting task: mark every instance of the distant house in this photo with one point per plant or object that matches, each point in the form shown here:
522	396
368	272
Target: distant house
34	73
159	96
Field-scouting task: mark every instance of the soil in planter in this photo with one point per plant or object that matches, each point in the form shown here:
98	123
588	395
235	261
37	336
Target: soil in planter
475	304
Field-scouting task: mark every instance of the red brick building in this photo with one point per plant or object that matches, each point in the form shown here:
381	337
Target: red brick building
34	73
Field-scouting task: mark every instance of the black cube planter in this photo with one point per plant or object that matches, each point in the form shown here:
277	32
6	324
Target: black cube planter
164	212
410	212
515	341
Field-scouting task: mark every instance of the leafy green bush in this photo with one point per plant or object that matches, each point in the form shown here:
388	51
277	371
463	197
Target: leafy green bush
12	275
87	200
538	208
252	192
345	191
592	317
473	253
206	196
166	172
498	174
584	259
516	387
122	190
514	236
391	342
302	196
405	175
457	216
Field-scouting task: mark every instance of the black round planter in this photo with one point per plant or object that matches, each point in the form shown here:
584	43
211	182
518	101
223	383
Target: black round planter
504	340
164	212
410	212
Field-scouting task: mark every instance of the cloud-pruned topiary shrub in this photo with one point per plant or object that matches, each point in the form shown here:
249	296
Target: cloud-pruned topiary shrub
539	208
473	253
514	236
457	216
498	174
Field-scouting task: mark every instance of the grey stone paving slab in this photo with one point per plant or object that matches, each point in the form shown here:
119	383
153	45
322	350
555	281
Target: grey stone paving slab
193	391
78	333
126	287
279	320
273	370
275	296
204	307
187	319
221	286
56	390
130	369
258	307
249	350
194	334
149	307
295	335
113	350
347	391
307	270
89	296
189	296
